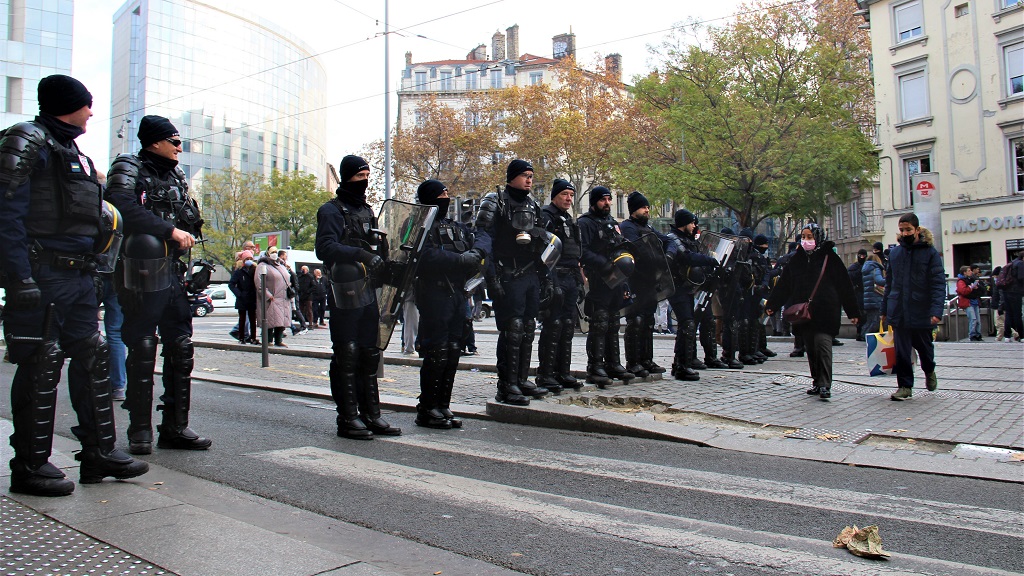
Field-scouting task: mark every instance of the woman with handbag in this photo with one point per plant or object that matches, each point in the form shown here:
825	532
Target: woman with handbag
813	287
278	305
873	280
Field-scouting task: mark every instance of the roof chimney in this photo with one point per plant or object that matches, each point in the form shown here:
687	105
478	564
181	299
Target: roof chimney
613	66
408	59
498	45
513	42
478	53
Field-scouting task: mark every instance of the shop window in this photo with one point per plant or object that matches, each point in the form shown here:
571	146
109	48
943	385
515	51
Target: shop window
973	254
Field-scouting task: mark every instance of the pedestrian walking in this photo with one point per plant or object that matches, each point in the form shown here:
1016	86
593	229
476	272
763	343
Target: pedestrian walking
274	309
304	282
320	288
913	303
243	287
816	276
873	281
968	299
1013	293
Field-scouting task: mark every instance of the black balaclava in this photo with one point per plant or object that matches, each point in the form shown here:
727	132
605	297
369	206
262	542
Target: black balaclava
428	193
761	243
353	193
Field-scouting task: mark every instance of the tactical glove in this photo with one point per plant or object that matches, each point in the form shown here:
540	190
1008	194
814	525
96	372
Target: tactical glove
24	295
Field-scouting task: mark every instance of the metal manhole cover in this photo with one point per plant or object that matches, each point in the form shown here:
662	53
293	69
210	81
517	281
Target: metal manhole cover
827	435
36	544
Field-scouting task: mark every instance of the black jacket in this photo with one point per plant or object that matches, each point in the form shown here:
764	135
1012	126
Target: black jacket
834	295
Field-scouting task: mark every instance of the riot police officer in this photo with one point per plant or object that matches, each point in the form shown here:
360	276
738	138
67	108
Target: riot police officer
162	222
750	279
447	262
353	253
607	264
51	214
763	276
558	316
650	260
692	269
507	230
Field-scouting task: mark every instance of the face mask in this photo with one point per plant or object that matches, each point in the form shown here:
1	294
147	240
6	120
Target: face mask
273	256
761	249
250	262
442	206
808	245
907	240
358	187
862	258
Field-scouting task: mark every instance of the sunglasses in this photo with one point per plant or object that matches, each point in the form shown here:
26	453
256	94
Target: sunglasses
174	141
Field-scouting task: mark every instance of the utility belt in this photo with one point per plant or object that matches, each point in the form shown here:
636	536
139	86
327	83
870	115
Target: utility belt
442	283
511	272
566	270
84	262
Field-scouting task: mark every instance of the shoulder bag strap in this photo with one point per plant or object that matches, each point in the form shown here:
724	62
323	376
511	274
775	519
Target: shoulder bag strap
824	265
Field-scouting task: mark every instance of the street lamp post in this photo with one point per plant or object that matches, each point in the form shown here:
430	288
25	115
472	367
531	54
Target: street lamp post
263	309
387	108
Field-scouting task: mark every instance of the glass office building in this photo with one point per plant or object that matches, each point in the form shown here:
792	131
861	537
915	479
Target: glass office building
241	91
35	42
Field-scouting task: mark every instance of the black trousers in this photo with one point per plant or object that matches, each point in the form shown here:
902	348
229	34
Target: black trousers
819	354
905	340
1012	302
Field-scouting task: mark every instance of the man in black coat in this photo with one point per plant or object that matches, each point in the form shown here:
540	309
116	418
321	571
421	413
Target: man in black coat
858	285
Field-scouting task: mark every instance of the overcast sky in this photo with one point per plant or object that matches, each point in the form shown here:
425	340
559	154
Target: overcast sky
447	29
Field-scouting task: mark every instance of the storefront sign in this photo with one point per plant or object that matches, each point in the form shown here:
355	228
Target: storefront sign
983	224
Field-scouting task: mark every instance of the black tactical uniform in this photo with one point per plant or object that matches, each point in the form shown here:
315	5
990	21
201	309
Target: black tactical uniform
507	231
558	315
750	276
352	252
762	287
448	260
691	270
648	250
151	192
50	226
607	265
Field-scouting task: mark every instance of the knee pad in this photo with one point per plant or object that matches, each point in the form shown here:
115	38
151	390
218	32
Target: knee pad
182	353
599	322
516	325
369	359
529	326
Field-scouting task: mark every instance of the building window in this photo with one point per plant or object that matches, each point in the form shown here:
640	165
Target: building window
472	119
912	166
839	221
1017	153
472	80
496	79
1014	57
913	96
961	10
1009	3
421	81
909	21
418	118
446	81
536	78
197	146
854	217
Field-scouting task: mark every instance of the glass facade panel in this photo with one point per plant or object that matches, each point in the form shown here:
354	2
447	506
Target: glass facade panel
38	37
225	77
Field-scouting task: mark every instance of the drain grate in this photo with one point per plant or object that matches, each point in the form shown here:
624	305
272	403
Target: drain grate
828	435
35	544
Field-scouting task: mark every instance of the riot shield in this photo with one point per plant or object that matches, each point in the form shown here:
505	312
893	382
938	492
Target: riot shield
727	250
405	227
652	280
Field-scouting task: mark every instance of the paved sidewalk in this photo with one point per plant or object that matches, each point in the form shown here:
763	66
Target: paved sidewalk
972	426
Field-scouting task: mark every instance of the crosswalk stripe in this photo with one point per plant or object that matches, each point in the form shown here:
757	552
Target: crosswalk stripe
990	520
775	553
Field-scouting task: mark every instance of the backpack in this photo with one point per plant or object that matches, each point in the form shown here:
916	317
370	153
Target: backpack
1005	278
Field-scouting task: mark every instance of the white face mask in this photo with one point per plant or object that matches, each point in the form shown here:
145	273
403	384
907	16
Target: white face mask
273	256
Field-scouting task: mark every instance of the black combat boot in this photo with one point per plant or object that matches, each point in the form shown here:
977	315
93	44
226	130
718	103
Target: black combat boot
631	342
612	365
680	367
509	343
174	431
139	368
369	394
596	349
343	389
547	355
564	357
743	343
647	347
447	384
525	359
431	373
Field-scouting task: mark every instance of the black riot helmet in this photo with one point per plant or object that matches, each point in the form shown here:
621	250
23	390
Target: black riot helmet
622	267
148	265
351	285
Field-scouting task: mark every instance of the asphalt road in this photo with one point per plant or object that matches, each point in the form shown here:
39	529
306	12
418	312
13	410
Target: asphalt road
563	503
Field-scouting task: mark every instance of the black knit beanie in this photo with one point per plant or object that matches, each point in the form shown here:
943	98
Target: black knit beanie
153	129
59	95
760	240
636	201
352	165
684	217
515	168
429	190
558	185
597	193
